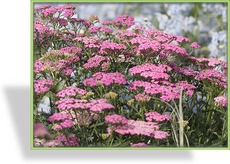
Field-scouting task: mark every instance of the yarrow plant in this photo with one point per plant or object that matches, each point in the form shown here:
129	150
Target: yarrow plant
118	83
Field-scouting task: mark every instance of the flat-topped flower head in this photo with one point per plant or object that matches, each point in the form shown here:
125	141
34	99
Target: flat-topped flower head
221	101
115	119
106	79
59	117
141	128
155	116
125	21
42	86
71	91
140	144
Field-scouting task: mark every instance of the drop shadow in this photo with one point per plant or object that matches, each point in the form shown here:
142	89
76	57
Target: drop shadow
19	103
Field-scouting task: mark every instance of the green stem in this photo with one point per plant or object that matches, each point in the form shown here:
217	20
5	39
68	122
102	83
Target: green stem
181	122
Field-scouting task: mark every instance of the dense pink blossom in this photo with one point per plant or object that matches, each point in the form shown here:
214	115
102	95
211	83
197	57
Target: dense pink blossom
59	117
71	91
151	70
124	21
182	39
115	119
111	47
184	69
213	76
40	130
158	134
42	86
140	144
67	140
96	29
89	42
63	10
67	71
71	49
57	127
38	66
221	101
66	124
150	116
195	45
94	62
145	44
212	62
167	90
140	128
174	49
92	105
105	79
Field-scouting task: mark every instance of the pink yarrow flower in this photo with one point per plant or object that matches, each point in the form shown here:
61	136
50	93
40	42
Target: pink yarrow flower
141	144
42	86
155	116
71	91
221	101
115	119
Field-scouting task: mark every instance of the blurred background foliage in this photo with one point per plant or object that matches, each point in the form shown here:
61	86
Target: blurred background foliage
205	23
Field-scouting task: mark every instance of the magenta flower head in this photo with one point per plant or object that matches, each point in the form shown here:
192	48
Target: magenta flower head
140	144
115	119
221	101
42	86
195	45
124	21
155	116
40	130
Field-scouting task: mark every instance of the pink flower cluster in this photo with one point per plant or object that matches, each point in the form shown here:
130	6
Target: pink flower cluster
124	21
149	129
213	76
59	117
89	42
168	90
173	49
67	141
145	45
94	62
71	91
140	144
184	69
40	130
66	11
127	35
71	50
92	105
111	47
67	71
151	70
42	29
38	66
42	86
195	45
211	62
150	116
64	121
61	21
96	29
105	79
221	101
115	119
